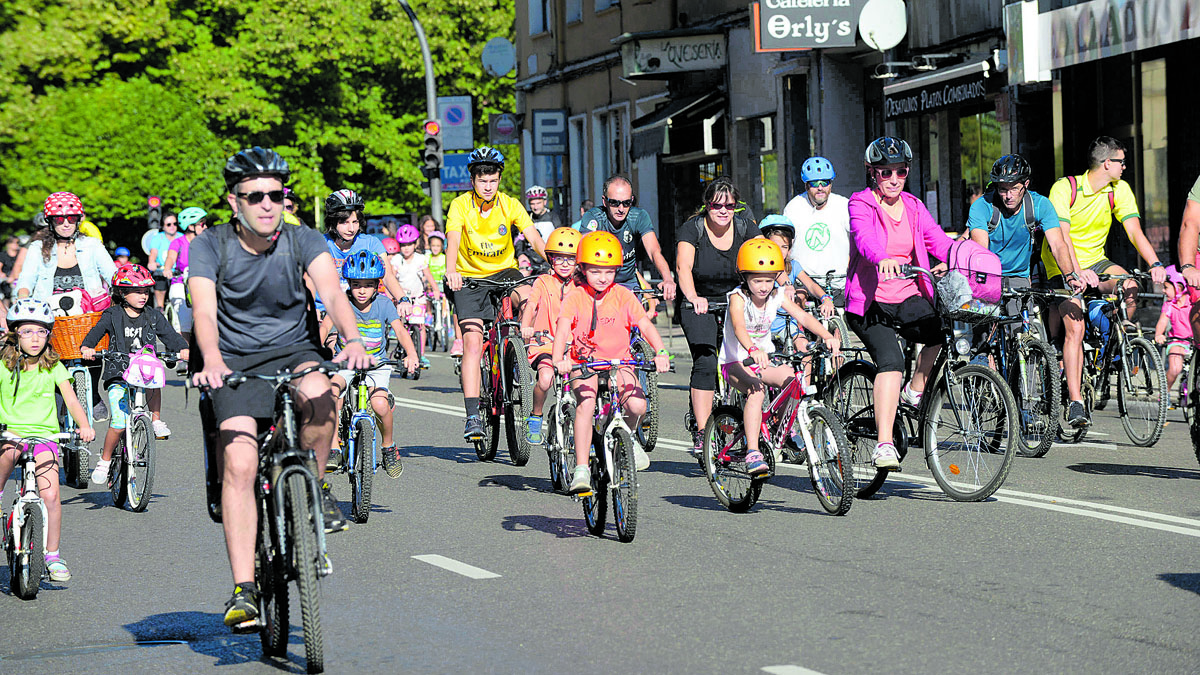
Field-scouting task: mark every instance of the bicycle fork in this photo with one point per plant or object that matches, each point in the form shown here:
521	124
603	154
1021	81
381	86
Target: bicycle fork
16	523
324	565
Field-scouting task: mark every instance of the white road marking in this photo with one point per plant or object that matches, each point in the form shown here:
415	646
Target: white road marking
432	407
456	566
1084	444
790	670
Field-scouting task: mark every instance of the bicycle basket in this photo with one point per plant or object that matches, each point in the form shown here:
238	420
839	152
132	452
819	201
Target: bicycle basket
971	289
69	331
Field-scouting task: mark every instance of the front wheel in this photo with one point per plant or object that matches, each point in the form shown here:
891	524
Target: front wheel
26	568
970	432
519	400
724	459
139	470
1142	394
595	505
833	473
363	474
1038	396
624	479
851	395
117	485
302	535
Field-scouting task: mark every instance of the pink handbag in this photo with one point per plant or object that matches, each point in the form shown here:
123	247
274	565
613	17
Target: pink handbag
145	370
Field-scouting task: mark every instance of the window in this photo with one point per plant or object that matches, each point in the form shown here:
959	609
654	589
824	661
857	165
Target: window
539	17
574	11
609	143
602	5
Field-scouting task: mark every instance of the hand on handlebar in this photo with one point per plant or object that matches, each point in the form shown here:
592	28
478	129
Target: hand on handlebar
1192	276
354	356
527	333
827	308
700	305
1077	285
212	376
1158	274
835	347
1089	277
939	269
454	280
88	353
563	366
889	268
411	363
761	359
662	363
668	289
86	433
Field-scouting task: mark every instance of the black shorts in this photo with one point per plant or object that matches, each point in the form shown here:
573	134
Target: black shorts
474	303
883	325
161	283
255	398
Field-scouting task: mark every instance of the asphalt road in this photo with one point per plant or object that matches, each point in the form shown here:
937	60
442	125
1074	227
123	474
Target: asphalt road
1086	561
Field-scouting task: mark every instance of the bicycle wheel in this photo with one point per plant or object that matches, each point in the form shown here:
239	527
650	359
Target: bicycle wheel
302	535
1037	393
272	587
566	445
519	379
363	474
970	432
485	448
414	334
140	472
551	444
595	505
1142	394
851	396
647	431
833	475
25	570
837	325
81	381
117	485
625	502
724	434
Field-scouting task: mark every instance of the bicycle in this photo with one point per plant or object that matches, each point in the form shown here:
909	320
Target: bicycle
723	394
795	416
25	552
76	456
1110	345
358	431
290	543
131	472
414	333
441	334
966	421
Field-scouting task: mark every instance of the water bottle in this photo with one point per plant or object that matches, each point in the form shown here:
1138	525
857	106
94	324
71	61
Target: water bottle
1099	321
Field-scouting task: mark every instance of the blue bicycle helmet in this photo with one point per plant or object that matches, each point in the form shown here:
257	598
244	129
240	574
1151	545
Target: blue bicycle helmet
121	250
485	155
363	265
777	223
817	168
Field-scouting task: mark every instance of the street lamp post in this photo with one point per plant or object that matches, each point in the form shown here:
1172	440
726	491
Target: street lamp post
435	180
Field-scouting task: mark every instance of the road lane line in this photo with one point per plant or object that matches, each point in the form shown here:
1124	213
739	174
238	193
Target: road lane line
456	566
1084	444
1104	516
790	670
434	407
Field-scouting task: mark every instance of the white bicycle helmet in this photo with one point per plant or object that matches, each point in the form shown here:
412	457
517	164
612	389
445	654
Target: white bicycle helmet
28	310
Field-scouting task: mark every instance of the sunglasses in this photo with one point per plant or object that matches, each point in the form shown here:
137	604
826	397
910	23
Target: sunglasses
718	206
887	173
819	183
33	332
619	203
1118	161
256	197
73	219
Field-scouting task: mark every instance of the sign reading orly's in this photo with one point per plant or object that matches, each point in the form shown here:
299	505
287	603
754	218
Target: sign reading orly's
653	56
781	25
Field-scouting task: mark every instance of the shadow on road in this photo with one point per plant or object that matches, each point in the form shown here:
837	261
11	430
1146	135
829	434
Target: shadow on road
518	483
687	468
1188	581
205	633
1104	469
440	390
563	528
710	503
462	455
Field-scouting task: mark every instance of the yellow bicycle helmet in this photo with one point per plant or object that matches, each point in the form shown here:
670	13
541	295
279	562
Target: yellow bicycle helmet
602	249
760	255
563	240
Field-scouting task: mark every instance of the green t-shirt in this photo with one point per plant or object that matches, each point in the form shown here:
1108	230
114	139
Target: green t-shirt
31	411
437	266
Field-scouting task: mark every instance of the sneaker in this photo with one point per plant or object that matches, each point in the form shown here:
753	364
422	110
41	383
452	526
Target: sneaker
391	461
243	606
335	460
1077	415
640	459
57	569
99	412
697	445
474	429
910	396
161	430
885	457
335	521
533	429
755	464
100	473
581	481
424	361
456	348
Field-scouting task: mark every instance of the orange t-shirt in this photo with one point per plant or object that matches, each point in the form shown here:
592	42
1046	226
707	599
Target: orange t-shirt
546	300
616	311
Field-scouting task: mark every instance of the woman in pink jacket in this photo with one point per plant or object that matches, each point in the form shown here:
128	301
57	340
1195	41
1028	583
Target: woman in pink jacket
890	228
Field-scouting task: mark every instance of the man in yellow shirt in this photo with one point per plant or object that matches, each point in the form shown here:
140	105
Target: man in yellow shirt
480	228
1086	206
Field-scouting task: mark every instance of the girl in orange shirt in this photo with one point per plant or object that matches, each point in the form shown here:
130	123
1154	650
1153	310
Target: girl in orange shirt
540	316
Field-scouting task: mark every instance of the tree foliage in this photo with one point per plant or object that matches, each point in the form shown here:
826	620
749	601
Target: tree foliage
117	99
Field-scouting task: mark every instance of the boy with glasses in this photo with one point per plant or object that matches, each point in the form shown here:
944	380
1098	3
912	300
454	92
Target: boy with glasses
822	221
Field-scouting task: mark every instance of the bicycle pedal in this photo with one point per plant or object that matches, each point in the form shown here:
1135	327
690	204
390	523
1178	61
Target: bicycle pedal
251	626
326	565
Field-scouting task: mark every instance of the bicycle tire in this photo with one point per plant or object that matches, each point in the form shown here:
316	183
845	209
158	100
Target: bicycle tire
595	506
519	399
272	587
566	445
26	575
551	444
81	381
414	334
833	477
139	469
625	499
1038	396
735	489
837	326
851	396
1142	395
647	431
988	442
363	475
117	486
301	523
485	448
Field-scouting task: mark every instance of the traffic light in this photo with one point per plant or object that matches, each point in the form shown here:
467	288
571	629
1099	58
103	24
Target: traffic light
432	155
154	212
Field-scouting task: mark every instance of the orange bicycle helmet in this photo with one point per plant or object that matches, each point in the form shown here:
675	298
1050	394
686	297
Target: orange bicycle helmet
602	249
563	240
760	255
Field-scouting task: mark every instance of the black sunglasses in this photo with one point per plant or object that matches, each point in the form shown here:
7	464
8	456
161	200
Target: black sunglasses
256	197
619	203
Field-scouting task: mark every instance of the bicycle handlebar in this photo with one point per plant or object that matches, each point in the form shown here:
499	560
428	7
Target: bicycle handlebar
169	357
238	377
498	285
9	436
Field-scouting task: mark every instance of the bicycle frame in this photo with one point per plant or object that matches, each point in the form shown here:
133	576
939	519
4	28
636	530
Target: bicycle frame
362	411
27	491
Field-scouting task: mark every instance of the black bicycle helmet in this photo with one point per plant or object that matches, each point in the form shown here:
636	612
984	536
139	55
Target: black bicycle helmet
887	150
253	162
1010	169
343	201
484	155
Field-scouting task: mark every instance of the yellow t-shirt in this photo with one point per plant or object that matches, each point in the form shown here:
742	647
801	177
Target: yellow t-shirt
1089	218
486	246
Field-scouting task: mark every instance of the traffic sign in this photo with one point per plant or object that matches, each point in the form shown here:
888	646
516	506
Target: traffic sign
457	121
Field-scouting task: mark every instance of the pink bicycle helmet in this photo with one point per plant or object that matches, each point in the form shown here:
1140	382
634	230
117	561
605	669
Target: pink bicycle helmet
391	245
407	234
62	204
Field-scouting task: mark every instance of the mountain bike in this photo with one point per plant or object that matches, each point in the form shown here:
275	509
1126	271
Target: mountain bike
290	544
966	421
358	431
23	547
794	416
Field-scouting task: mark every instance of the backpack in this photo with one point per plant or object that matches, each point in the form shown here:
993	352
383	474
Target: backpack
1112	194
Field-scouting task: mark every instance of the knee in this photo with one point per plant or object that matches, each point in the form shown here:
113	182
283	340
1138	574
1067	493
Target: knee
240	467
636	405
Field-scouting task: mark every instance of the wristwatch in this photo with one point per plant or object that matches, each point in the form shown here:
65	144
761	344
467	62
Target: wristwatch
1157	263
1187	266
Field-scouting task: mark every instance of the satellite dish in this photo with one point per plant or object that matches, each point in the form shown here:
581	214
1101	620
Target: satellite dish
499	57
146	240
883	23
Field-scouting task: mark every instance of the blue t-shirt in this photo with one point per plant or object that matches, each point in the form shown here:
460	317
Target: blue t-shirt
1011	240
782	322
362	242
161	242
636	224
373	325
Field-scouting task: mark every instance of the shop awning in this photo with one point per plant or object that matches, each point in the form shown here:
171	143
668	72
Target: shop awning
944	88
650	131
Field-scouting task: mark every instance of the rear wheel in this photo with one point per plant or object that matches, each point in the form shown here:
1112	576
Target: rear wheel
485	448
833	475
851	395
116	475
1142	394
81	380
26	569
552	443
724	460
273	590
302	535
1036	389
625	502
595	505
647	431
414	333
140	459
970	433
519	378
363	474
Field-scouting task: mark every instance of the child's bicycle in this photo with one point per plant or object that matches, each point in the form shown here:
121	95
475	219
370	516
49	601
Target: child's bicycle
796	419
28	518
612	461
414	322
358	431
66	339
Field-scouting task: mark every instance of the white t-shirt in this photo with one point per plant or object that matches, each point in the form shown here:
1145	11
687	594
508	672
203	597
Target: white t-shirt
822	243
408	273
758	325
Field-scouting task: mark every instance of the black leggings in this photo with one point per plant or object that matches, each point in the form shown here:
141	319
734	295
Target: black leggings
704	340
883	325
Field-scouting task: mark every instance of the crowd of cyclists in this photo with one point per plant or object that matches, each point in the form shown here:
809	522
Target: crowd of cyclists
263	293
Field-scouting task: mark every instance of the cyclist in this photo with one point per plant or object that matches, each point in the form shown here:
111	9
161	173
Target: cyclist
1174	328
1086	205
121	256
344	237
890	228
30	372
479	245
157	246
543	218
412	271
541	316
130	325
753	306
62	268
631	224
251	311
374	316
192	220
1189	242
822	221
597	318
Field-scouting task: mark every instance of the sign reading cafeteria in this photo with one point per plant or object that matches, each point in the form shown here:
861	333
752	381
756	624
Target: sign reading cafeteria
785	25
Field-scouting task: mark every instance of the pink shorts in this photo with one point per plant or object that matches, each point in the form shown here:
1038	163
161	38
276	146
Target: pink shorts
38	448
